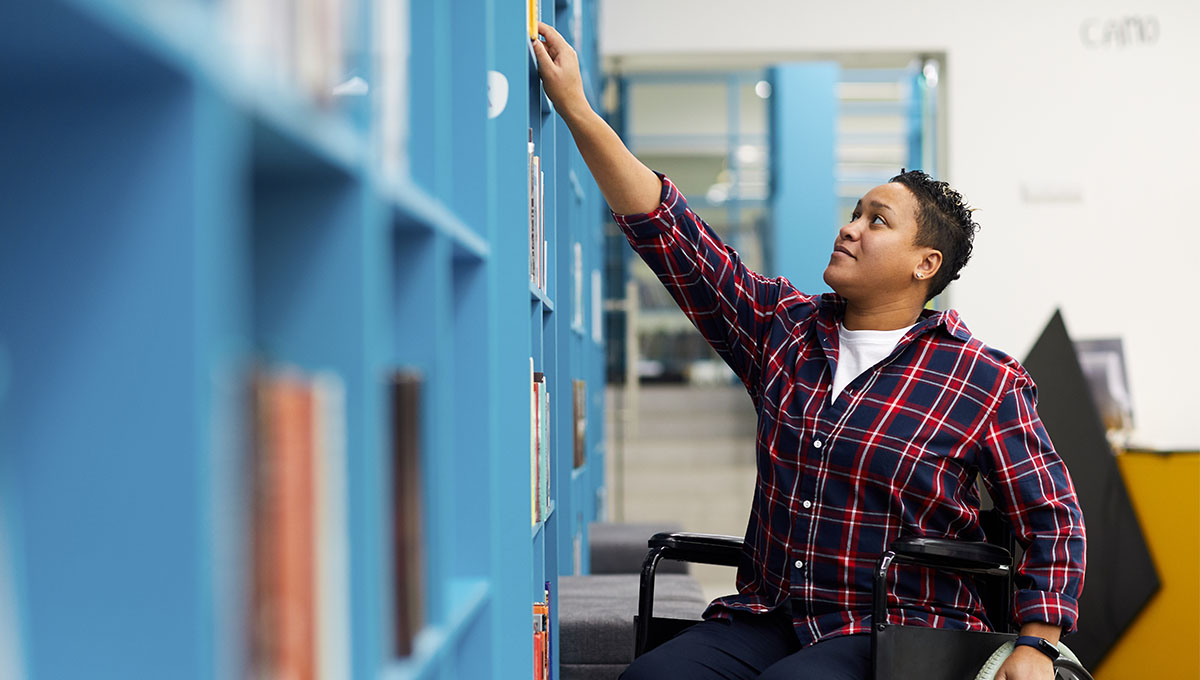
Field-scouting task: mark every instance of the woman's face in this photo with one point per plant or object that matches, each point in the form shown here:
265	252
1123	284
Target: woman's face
875	252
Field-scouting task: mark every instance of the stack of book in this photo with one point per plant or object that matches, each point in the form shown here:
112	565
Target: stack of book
539	432
542	643
300	589
293	44
537	230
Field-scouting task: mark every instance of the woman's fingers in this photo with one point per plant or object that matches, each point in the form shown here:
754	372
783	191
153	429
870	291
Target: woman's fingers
554	40
543	57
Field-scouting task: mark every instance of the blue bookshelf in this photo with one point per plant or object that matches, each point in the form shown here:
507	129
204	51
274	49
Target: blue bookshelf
171	219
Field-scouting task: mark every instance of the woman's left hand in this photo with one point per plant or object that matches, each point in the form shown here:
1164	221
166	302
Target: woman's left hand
1026	663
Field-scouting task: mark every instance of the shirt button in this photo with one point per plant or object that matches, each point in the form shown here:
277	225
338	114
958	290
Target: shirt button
817	443
799	564
807	504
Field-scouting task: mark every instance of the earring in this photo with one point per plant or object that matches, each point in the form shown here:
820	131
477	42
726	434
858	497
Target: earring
919	276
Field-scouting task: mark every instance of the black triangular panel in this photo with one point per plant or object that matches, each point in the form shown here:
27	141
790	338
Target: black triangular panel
1120	577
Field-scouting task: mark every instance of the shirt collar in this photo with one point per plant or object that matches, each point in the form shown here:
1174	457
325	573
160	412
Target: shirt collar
832	309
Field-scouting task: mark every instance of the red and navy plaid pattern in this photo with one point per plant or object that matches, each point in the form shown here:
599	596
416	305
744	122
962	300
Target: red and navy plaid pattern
897	454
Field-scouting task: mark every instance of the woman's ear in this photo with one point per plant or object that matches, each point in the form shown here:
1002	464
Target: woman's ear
929	265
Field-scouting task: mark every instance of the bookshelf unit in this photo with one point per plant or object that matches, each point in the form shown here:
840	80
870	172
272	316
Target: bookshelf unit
174	219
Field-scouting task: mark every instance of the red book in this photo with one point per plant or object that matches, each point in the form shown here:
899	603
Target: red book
284	570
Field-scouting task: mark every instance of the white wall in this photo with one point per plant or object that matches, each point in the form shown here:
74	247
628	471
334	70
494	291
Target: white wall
1030	109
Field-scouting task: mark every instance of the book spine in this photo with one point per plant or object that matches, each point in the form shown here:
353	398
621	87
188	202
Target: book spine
579	403
407	515
333	560
545	452
392	55
284	553
541	222
533	213
538	444
533	446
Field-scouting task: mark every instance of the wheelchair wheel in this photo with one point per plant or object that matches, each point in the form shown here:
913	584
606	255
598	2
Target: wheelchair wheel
1066	669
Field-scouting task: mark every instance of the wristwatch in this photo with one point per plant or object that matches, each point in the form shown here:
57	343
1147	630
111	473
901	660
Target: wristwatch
1041	644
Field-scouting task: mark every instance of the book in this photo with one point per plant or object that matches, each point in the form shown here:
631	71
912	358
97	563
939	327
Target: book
407	515
541	436
539	474
533	445
597	308
331	541
577	290
295	45
533	211
549	633
541	641
543	246
544	457
392	53
539	647
533	11
579	412
283	590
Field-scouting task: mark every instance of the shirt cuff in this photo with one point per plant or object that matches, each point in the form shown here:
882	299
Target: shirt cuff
671	208
1041	606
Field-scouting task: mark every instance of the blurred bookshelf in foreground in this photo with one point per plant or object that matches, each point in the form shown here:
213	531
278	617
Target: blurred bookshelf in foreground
263	376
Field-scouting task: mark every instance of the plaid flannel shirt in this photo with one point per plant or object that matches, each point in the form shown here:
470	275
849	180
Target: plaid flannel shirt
896	454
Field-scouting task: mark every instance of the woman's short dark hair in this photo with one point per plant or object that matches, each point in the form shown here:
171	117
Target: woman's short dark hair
944	222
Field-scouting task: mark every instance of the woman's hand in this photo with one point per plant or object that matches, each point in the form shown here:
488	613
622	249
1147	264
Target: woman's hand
1026	663
558	66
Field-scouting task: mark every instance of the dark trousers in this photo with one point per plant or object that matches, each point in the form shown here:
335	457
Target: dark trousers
753	646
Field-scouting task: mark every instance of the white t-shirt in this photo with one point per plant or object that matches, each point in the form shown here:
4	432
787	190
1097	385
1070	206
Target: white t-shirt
859	351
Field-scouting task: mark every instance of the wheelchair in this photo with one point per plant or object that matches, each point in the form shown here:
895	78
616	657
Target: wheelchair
897	652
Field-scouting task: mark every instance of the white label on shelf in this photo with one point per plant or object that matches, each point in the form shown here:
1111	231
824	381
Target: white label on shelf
497	93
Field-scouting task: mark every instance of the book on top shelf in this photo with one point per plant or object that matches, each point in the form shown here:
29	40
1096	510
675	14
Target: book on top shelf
292	44
392	49
533	11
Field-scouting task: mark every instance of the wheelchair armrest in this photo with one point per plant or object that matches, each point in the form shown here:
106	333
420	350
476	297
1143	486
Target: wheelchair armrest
972	557
687	547
945	553
702	548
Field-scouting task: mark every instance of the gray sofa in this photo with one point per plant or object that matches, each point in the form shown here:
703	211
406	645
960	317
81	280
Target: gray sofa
596	635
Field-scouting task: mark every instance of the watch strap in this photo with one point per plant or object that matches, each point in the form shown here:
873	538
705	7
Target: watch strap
1041	644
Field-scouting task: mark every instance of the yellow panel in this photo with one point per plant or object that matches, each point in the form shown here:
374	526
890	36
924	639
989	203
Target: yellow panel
1164	641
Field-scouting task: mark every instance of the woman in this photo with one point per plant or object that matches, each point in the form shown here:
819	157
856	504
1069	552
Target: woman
875	418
